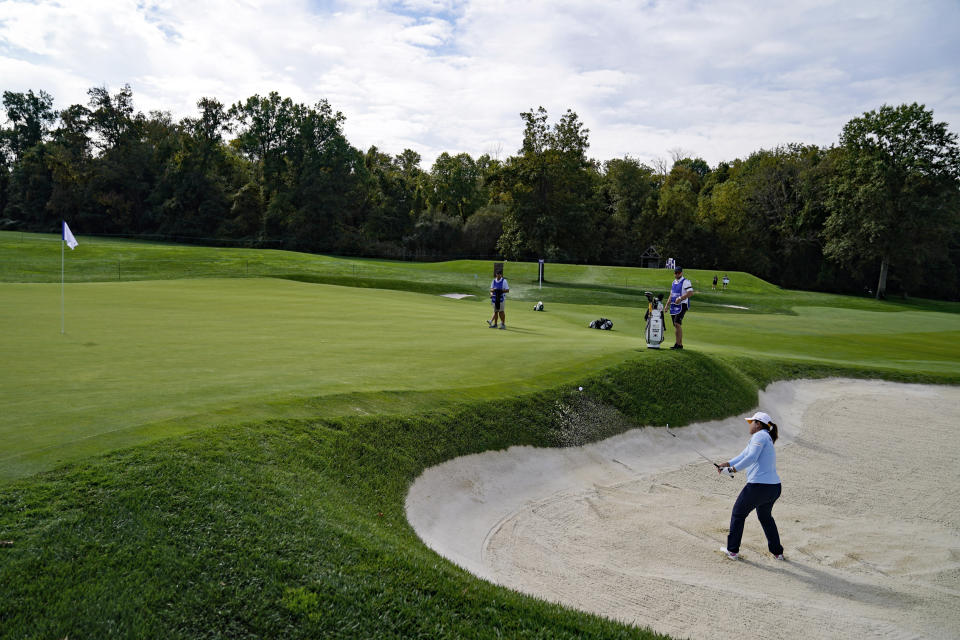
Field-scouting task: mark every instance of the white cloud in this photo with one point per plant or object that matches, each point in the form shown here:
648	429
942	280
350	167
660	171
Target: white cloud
721	79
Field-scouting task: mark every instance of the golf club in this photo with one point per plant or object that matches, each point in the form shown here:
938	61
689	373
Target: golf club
728	472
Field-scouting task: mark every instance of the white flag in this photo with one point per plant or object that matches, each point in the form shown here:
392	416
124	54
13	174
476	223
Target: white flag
68	236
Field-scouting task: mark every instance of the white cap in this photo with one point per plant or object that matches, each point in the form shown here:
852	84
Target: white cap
761	416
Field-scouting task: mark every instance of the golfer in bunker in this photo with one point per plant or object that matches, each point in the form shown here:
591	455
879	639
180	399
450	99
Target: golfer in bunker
759	460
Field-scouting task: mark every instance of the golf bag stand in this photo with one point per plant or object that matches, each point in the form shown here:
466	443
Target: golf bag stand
654	331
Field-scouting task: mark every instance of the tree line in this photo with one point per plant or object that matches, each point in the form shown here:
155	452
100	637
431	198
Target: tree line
879	209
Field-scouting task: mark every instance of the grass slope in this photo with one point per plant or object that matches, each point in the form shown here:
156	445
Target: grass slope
295	528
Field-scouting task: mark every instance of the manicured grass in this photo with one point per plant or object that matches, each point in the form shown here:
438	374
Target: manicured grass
144	359
295	528
303	411
36	258
141	360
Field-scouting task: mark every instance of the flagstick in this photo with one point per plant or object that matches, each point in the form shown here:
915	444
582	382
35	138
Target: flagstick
62	320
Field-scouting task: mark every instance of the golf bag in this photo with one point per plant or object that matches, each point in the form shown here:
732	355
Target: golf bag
654	318
601	323
538	306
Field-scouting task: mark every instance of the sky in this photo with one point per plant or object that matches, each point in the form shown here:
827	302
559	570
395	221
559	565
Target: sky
651	80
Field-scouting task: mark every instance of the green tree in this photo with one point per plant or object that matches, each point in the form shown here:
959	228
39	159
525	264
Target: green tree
265	129
801	244
30	186
246	214
327	182
133	150
198	179
435	234
774	199
628	193
113	118
680	231
482	230
489	170
68	159
25	180
551	186
31	115
310	177
895	197
5	162
394	199
455	185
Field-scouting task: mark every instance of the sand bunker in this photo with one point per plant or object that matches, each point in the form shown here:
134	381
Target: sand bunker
629	528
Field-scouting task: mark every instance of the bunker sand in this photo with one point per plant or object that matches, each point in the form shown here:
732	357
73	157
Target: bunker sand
630	528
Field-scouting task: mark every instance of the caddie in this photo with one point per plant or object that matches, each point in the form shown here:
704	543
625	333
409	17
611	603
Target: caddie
498	293
680	293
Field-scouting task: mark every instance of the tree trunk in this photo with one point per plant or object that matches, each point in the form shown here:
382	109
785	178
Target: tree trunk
882	284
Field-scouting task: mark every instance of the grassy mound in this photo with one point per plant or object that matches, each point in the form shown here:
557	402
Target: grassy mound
295	528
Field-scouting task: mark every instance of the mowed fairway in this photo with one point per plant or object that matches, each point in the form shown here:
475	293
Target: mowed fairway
140	360
918	341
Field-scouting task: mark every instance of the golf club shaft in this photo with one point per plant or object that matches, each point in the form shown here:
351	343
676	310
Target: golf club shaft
695	449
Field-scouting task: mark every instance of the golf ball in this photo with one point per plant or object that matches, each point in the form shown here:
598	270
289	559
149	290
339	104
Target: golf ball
581	388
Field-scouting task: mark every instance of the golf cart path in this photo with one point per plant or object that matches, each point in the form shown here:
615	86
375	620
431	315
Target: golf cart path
630	527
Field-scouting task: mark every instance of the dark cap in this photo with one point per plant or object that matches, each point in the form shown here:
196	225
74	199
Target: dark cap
677	269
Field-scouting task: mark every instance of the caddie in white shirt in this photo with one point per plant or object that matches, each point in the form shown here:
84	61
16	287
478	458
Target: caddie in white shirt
498	295
680	293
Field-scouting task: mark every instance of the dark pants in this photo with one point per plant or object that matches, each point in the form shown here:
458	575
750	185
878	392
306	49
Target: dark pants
760	497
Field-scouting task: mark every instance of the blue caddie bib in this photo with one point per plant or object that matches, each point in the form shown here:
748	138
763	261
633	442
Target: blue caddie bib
675	292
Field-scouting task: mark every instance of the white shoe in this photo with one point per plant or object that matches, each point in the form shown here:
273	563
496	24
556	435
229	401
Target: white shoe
729	554
503	326
779	556
492	325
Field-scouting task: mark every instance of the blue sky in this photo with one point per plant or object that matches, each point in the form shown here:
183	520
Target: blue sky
650	80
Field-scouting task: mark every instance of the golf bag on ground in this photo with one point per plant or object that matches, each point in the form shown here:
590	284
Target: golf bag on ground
654	318
538	306
601	323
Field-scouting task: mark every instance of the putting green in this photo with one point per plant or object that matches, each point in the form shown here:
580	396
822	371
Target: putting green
141	360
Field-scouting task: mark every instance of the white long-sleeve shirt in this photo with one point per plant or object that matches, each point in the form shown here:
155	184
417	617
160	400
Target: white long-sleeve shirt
759	460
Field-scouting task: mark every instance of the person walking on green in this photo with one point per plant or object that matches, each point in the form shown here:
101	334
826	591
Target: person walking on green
498	292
